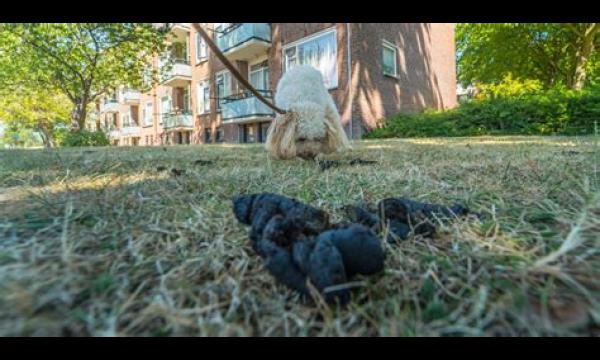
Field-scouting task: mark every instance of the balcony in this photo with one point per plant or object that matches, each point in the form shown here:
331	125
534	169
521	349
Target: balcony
111	130
245	107
179	31
176	73
183	120
130	130
114	134
131	97
245	41
111	105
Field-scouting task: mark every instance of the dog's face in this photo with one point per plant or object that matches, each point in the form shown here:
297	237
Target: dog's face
311	132
301	132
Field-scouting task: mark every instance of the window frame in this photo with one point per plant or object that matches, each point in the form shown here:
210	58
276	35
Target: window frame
217	75
262	67
147	115
389	46
161	112
309	38
202	87
200	40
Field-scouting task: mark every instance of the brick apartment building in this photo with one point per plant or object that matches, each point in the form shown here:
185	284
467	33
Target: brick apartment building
372	71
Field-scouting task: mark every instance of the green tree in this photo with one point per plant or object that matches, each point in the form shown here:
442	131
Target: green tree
34	110
83	61
556	54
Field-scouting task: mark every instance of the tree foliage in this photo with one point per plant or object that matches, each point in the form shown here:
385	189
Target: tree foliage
554	53
36	110
83	61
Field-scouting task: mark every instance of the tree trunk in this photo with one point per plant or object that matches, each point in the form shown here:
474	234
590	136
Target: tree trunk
47	136
78	116
582	57
581	61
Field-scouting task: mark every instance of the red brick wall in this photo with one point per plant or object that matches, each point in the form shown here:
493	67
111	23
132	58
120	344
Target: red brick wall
426	70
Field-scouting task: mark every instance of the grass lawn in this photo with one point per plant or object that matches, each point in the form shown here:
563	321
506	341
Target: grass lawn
96	242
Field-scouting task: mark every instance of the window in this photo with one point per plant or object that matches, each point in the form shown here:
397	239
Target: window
263	129
207	135
147	114
125	120
186	100
201	50
223	82
134	113
390	60
319	51
219	134
259	76
247	133
179	53
165	108
203	97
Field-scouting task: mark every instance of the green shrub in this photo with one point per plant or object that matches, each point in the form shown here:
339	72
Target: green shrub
509	88
82	138
527	111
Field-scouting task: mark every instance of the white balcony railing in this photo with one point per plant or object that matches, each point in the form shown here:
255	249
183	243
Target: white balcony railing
130	130
244	107
131	96
109	106
111	130
176	74
245	40
178	120
114	133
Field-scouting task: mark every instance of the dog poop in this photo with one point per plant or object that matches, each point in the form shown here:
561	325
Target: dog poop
298	244
403	216
359	247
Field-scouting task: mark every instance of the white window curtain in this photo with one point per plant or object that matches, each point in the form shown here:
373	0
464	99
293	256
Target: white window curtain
200	48
203	97
259	77
148	114
320	52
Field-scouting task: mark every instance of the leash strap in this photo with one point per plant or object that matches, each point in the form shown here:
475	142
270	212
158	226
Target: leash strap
214	48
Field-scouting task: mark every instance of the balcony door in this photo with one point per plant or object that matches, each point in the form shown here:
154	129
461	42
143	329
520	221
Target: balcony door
179	52
223	83
134	113
165	107
259	76
181	100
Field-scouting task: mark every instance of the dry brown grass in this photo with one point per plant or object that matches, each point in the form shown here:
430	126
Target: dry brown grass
97	242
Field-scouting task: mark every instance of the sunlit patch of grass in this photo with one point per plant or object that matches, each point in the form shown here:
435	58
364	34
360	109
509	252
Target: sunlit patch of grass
98	242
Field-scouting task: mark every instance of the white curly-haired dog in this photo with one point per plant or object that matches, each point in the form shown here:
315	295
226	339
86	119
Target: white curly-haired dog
311	124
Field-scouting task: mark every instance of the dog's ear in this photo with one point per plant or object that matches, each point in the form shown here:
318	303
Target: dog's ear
336	136
281	137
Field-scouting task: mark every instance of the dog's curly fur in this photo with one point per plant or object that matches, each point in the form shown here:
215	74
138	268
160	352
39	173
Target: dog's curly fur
312	124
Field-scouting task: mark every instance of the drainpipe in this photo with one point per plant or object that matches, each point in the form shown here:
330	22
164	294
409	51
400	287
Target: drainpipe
350	80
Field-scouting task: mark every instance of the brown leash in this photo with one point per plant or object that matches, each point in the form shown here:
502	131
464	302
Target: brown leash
215	49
